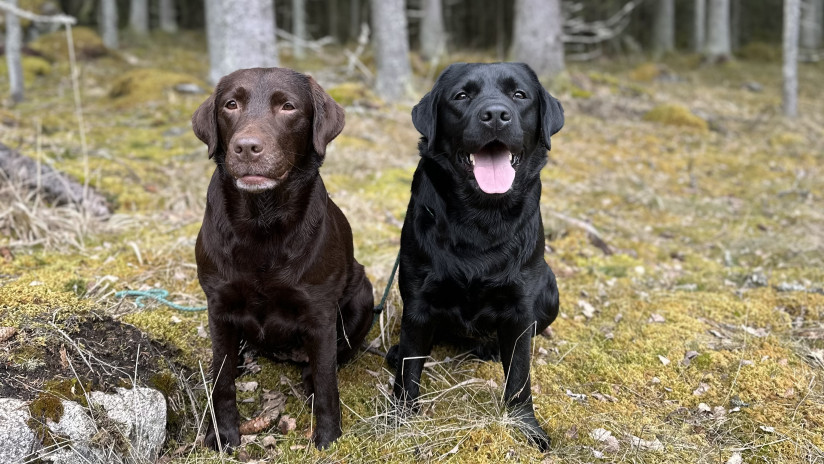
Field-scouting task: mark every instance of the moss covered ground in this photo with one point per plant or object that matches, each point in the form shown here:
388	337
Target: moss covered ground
690	262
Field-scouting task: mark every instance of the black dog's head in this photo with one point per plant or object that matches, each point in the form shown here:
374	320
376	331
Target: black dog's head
262	123
488	122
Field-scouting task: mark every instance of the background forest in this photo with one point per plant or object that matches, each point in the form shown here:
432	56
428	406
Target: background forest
682	205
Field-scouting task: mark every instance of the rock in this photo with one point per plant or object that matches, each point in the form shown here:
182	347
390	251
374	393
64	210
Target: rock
17	439
142	414
127	426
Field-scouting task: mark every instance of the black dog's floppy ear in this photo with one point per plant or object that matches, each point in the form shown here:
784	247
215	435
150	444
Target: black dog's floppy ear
425	117
204	124
552	117
329	118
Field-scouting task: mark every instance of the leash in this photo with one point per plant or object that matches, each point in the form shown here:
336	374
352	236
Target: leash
382	305
157	294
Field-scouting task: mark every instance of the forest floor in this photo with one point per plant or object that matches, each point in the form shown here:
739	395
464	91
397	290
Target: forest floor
688	244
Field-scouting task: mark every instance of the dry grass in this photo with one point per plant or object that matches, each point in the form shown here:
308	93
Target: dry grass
708	232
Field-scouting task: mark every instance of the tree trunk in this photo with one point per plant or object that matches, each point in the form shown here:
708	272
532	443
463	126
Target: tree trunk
167	12
252	45
718	32
354	19
792	17
299	28
664	29
14	56
537	36
391	44
332	15
108	23
139	16
812	23
432	34
699	26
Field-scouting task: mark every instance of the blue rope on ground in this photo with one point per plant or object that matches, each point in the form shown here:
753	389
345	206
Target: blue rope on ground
157	294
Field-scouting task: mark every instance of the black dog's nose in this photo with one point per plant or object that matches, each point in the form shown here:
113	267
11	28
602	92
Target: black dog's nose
247	147
495	115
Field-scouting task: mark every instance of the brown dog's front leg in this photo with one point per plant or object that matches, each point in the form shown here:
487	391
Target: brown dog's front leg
224	365
514	342
322	350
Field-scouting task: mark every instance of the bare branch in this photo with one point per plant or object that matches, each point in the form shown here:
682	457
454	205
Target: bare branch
59	19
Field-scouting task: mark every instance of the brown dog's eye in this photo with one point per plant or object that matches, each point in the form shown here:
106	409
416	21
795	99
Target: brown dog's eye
461	96
231	104
520	95
288	106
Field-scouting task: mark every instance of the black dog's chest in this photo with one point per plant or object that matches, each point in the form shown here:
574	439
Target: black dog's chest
476	307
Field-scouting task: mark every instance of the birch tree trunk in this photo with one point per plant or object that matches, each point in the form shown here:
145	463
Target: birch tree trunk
812	23
108	23
664	30
718	31
391	43
537	36
299	28
139	16
231	47
14	56
792	18
699	26
354	19
433	35
167	13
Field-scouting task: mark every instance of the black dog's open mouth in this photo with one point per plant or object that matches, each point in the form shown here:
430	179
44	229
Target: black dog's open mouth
494	167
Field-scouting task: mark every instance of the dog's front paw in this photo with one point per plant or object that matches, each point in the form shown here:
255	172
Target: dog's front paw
229	437
528	424
324	437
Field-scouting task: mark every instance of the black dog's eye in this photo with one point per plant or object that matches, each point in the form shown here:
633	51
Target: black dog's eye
288	106
461	96
231	104
520	94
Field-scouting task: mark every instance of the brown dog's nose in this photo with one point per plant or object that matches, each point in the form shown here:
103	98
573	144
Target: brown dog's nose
247	147
495	116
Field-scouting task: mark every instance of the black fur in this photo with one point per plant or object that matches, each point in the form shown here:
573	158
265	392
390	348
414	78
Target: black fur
472	269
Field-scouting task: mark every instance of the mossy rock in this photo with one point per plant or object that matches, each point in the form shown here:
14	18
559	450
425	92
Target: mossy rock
351	93
675	115
147	84
646	72
87	45
33	66
759	51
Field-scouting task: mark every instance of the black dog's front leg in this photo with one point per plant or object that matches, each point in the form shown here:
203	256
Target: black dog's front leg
321	346
224	364
414	346
514	341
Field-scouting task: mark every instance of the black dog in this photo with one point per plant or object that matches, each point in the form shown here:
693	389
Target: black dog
274	253
472	270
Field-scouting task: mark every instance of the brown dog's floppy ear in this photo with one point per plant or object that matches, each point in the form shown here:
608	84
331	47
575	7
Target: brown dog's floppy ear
552	117
329	118
204	124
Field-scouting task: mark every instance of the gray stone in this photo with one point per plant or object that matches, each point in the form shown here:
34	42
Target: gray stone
17	439
141	415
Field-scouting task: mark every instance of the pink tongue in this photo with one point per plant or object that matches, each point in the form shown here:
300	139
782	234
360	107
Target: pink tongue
493	171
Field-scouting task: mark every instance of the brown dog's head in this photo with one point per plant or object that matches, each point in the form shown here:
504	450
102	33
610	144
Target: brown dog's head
262	123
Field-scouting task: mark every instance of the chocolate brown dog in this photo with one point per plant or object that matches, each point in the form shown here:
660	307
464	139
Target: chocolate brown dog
274	253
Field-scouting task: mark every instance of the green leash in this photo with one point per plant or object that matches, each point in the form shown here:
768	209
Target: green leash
159	295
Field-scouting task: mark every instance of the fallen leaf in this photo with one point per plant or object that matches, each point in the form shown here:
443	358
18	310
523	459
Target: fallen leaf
605	436
576	396
603	397
718	334
663	360
767	428
702	388
246	386
201	332
586	309
572	433
759	332
735	459
646	445
286	424
176	320
704	407
269	441
688	357
656	318
6	333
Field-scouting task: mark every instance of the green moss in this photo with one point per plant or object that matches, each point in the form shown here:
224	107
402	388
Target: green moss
646	72
350	93
675	115
88	45
69	389
759	51
142	85
46	406
76	286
